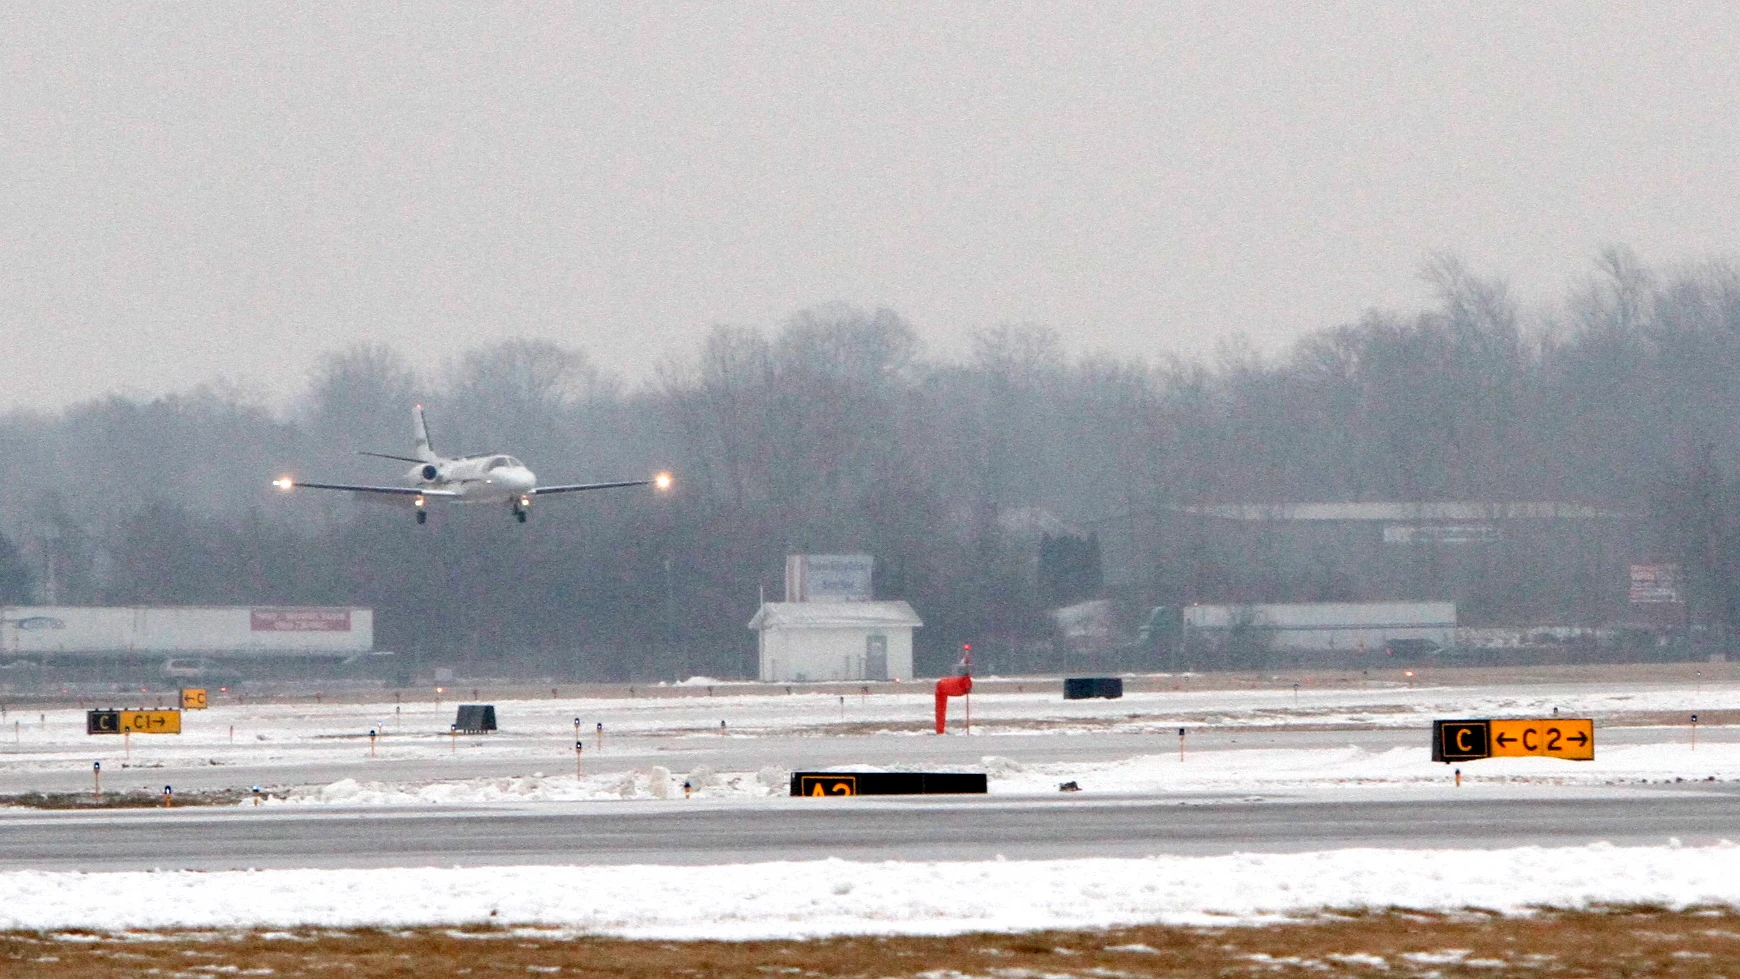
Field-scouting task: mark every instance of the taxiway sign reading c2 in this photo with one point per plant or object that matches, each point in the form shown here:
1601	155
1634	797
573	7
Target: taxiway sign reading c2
1571	738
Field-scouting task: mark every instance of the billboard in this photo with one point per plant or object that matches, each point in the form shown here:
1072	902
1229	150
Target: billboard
299	620
1655	584
1433	533
828	577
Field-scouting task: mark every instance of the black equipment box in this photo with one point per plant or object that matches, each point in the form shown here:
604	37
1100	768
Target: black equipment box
1083	688
475	718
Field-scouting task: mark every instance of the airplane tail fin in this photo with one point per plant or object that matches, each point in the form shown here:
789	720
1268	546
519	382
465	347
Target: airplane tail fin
425	451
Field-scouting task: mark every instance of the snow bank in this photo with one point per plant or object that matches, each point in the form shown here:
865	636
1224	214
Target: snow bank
655	782
1268	769
1252	770
830	897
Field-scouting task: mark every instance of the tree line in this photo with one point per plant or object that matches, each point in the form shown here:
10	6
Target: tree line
838	432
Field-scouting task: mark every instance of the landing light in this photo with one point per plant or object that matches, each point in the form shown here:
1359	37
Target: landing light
662	481
284	482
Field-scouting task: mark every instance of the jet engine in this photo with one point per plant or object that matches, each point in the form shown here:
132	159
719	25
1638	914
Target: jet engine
430	472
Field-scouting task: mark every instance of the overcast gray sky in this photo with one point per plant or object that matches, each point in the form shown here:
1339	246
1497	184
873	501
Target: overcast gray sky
198	190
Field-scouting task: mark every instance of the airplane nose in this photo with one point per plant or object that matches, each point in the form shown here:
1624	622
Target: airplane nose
523	480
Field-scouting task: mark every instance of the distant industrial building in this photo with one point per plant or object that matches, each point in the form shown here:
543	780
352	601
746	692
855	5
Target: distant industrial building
1505	564
1351	627
830	628
66	633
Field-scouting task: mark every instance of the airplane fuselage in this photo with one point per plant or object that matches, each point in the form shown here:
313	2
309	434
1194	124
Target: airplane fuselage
478	479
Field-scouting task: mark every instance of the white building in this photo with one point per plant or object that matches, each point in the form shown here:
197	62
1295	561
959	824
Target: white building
240	632
1332	626
835	640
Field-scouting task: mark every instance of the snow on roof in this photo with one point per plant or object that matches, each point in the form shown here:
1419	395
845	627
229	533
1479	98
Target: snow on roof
834	615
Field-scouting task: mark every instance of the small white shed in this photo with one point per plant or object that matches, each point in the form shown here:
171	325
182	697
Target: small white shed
835	640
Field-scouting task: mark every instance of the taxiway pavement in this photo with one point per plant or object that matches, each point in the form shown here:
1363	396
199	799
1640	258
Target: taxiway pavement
703	832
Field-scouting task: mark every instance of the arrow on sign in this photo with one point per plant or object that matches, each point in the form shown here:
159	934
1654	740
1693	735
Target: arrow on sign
1580	740
1504	739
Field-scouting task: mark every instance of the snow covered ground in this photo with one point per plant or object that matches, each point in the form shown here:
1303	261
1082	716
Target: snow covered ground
777	900
1352	736
1350	768
1358	741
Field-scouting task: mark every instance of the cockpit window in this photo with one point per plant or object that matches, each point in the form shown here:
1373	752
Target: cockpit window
496	462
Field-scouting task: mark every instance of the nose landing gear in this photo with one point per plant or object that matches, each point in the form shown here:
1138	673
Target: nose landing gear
521	507
422	514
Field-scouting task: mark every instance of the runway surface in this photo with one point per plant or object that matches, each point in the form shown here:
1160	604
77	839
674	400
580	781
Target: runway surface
680	832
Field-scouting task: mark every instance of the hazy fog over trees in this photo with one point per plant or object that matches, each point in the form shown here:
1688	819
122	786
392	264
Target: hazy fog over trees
837	431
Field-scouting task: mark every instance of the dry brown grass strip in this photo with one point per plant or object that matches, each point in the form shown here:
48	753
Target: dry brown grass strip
1614	942
122	800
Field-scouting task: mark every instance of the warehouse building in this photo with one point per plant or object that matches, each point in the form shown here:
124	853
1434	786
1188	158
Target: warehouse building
61	634
1322	626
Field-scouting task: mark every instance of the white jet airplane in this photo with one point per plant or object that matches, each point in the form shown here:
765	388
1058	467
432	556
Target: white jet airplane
468	479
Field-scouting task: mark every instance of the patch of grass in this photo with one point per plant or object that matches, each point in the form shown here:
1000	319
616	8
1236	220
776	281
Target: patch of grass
1632	941
121	800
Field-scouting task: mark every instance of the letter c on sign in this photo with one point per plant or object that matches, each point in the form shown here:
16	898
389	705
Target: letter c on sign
1462	740
1528	732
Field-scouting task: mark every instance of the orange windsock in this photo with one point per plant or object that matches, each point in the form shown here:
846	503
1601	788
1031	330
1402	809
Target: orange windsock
949	686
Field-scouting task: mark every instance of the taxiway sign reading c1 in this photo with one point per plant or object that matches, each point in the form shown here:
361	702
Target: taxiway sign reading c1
151	722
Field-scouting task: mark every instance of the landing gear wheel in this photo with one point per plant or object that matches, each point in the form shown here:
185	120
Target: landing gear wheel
520	515
422	517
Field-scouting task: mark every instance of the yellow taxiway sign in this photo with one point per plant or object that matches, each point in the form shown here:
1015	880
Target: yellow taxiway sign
151	722
1572	738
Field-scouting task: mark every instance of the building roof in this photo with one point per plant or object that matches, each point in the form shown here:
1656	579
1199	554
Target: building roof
1326	615
1403	512
835	615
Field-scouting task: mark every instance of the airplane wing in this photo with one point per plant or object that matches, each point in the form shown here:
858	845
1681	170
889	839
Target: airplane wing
290	484
661	481
581	487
